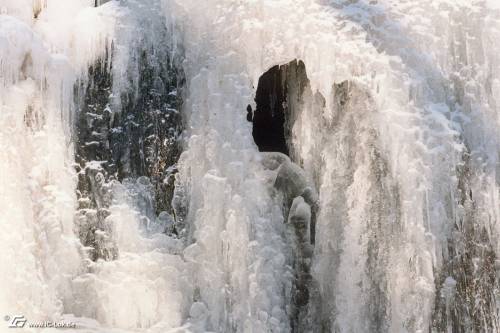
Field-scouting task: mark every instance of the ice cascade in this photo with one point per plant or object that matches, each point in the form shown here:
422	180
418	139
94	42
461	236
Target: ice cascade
250	166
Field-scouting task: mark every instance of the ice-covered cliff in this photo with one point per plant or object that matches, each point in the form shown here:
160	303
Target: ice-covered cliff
145	183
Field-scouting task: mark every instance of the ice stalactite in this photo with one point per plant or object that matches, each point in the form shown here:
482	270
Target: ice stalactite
78	84
37	72
298	197
384	216
278	100
359	169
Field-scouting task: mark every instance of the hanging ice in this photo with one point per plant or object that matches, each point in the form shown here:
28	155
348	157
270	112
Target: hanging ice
134	197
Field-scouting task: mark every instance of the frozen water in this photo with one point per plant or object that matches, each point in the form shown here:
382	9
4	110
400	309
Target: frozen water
394	149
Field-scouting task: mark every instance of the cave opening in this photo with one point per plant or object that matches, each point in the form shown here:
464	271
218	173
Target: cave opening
278	98
269	117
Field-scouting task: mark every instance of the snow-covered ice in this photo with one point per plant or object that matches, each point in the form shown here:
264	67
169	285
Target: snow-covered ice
394	159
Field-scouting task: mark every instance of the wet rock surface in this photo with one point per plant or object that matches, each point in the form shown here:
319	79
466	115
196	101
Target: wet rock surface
141	138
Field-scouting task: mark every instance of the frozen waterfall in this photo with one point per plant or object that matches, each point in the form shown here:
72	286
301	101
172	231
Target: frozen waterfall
250	166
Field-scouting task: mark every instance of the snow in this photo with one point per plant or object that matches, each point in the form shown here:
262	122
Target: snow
423	83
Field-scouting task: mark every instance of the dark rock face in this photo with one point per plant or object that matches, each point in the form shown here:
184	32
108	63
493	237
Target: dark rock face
468	283
139	140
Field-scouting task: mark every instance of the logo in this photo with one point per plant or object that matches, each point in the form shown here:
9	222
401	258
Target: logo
17	321
20	321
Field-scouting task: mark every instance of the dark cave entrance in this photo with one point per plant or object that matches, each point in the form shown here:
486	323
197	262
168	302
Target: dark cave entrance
278	98
269	117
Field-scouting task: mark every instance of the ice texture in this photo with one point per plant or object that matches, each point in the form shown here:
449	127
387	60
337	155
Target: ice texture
393	133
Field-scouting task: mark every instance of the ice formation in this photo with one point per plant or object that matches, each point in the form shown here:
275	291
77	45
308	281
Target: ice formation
135	199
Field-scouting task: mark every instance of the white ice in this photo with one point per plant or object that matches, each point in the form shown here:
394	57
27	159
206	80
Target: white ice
425	83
